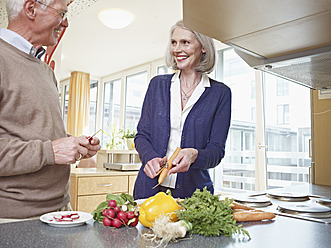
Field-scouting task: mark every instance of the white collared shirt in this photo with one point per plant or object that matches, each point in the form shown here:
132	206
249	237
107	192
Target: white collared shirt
178	117
17	41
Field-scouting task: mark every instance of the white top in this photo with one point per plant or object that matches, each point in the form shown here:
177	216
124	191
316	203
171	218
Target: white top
178	117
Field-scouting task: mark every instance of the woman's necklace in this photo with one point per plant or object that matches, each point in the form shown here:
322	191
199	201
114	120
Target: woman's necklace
187	95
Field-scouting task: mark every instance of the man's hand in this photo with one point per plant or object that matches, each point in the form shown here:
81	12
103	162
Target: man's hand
68	150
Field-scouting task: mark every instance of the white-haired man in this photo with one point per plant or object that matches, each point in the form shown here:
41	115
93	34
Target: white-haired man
35	150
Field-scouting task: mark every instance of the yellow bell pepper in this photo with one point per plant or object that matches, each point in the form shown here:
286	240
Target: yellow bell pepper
156	205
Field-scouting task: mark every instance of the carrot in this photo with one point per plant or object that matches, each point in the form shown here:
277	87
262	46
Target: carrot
173	156
164	171
163	175
252	216
243	210
240	206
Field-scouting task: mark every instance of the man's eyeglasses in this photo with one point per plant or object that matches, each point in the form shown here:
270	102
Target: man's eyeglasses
63	14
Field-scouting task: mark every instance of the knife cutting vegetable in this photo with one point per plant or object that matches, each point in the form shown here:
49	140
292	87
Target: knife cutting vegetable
91	137
163	172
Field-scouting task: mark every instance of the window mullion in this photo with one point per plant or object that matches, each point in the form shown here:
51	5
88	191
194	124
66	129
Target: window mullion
260	151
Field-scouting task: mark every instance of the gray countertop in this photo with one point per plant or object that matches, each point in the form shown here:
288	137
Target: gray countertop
281	232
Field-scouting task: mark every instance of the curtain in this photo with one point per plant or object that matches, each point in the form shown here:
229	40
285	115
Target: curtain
79	103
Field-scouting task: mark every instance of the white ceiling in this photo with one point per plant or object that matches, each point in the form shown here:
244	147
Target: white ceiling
89	46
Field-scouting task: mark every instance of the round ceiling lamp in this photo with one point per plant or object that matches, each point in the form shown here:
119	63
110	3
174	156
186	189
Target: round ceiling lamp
115	18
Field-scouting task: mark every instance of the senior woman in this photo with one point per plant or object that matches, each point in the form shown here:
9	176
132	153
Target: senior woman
186	109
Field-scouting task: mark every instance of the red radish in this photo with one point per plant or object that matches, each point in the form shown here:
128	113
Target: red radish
135	222
116	223
121	215
112	203
107	222
117	209
130	215
111	213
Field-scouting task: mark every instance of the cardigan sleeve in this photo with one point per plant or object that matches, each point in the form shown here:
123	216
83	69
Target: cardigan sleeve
211	155
143	140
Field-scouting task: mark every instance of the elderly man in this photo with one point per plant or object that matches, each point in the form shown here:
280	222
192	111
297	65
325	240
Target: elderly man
35	151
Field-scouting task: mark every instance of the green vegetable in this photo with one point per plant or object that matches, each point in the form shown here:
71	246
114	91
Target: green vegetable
209	215
122	199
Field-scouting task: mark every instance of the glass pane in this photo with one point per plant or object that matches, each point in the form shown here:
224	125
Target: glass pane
111	109
163	70
93	105
65	105
136	86
288	130
237	169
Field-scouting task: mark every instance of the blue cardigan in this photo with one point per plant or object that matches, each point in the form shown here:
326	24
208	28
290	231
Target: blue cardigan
206	129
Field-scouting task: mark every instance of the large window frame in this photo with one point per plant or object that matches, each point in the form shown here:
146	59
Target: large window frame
256	141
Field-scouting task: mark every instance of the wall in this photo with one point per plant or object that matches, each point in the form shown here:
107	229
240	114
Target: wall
321	115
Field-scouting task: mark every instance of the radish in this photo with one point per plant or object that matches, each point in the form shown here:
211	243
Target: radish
116	223
117	209
135	222
130	215
107	222
112	203
121	215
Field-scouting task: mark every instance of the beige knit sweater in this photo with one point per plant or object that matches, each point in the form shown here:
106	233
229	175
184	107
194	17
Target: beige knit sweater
30	118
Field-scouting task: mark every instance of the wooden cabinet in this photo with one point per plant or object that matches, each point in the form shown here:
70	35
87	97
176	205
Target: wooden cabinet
89	186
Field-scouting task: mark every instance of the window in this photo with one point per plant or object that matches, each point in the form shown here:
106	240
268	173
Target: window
111	108
136	86
65	105
283	111
287	133
285	117
93	105
282	87
237	169
163	70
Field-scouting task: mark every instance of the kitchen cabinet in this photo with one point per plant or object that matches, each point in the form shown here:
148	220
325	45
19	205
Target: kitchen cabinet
89	186
321	139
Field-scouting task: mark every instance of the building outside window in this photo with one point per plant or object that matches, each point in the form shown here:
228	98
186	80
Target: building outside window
286	124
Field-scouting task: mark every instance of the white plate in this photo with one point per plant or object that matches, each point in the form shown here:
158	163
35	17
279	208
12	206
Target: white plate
50	220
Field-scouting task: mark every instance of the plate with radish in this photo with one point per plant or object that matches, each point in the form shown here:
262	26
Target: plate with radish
66	218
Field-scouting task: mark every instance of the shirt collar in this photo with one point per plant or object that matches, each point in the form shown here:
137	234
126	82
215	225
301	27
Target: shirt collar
20	43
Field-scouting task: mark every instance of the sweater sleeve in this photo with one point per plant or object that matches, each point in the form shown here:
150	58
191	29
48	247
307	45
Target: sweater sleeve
22	157
210	156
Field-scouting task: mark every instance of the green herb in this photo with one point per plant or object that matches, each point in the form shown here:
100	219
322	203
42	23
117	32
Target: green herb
122	199
209	215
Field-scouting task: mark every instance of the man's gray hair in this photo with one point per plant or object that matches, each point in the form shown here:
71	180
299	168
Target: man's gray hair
15	7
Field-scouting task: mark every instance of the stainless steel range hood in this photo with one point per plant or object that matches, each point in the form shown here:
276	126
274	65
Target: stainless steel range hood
289	38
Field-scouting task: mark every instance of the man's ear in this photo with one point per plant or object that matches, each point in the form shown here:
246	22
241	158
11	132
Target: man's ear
29	9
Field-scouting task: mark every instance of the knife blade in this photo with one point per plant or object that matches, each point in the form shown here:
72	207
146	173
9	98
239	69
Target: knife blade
91	137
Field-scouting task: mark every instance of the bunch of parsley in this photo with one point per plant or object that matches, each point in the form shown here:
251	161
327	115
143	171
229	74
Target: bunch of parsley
209	215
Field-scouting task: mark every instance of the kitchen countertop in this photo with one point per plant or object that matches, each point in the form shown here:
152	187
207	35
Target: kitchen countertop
94	172
280	232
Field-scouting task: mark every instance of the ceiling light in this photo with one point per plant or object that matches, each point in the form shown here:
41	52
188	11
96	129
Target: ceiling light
115	18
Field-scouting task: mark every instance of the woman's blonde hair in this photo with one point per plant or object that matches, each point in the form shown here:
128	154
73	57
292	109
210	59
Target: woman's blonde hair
208	59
